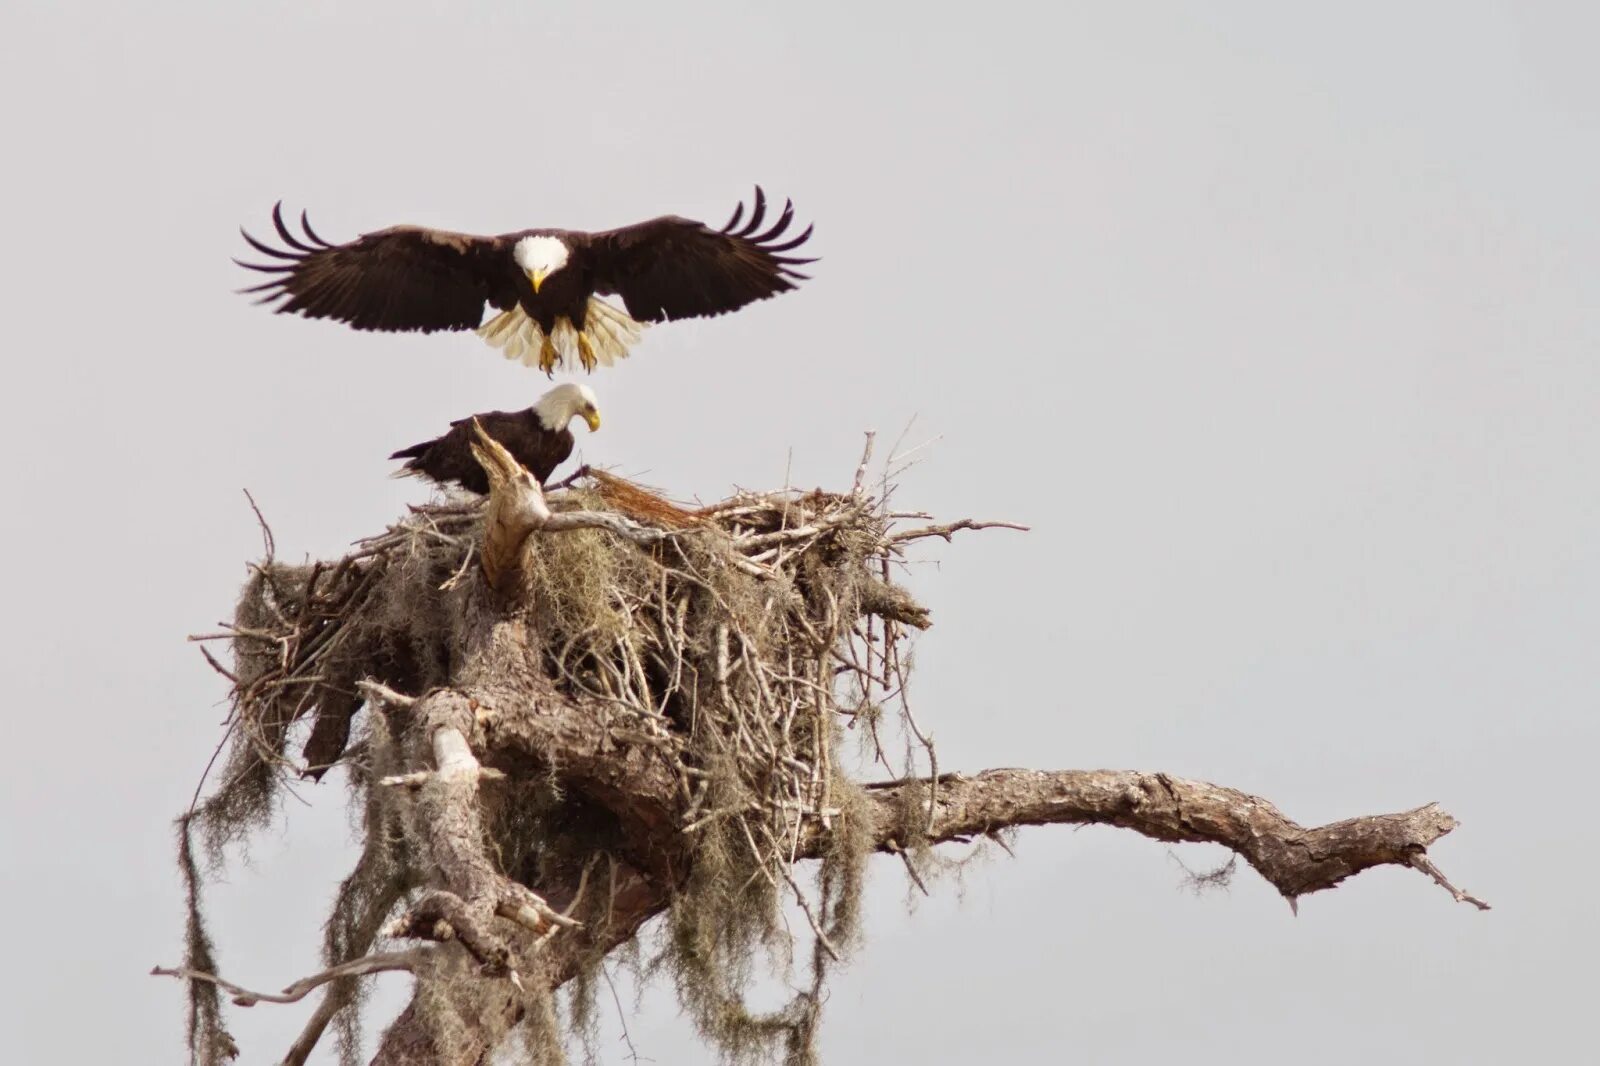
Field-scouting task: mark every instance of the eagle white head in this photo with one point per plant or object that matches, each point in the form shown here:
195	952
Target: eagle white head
539	257
565	402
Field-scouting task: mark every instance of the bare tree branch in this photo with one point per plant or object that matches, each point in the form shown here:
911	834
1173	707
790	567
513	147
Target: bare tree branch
1425	864
376	963
946	530
1292	858
517	508
453	834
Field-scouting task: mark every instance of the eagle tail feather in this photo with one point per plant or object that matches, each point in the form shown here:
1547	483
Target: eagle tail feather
608	334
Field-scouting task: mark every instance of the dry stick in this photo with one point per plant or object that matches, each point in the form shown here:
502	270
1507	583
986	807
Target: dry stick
583	886
267	539
384	694
893	847
633	1052
216	753
226	635
461	571
233	720
800	898
218	667
891	651
568	481
799	533
1421	861
366	930
311	1035
757	858
376	963
861	467
951	527
418	778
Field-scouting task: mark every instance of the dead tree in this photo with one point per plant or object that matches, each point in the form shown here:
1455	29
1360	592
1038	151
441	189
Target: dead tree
568	717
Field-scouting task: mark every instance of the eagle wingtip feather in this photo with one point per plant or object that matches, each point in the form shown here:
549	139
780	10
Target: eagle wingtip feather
305	224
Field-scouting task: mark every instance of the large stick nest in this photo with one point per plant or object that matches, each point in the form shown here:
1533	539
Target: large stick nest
744	644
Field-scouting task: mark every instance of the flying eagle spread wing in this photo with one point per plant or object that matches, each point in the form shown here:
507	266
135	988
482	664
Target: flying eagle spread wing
397	279
673	267
544	282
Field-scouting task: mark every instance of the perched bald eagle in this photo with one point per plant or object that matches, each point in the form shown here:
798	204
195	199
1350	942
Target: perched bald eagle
544	282
538	438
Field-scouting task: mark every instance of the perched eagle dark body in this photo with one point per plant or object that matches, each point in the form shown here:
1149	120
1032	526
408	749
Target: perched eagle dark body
545	283
538	438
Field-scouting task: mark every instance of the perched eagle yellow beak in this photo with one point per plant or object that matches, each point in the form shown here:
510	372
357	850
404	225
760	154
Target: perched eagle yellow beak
537	277
592	416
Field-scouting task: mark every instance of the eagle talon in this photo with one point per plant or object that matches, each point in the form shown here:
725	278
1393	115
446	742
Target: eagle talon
586	354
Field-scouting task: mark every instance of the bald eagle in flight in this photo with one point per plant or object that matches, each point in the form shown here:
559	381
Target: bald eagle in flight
545	283
538	438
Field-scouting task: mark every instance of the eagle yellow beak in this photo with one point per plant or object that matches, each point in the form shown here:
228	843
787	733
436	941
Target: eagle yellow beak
537	277
593	418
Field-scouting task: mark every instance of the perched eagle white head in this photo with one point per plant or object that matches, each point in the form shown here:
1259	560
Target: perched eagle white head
565	402
540	256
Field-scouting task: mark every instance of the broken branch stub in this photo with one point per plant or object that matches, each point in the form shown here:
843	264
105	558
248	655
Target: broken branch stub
516	508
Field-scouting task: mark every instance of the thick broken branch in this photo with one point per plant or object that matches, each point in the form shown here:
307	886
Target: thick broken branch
517	508
893	603
631	901
1292	858
471	891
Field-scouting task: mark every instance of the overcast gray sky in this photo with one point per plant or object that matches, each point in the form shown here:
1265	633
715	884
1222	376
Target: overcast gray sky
1278	322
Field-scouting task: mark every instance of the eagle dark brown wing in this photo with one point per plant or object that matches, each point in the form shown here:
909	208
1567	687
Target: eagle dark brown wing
449	458
401	278
673	267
